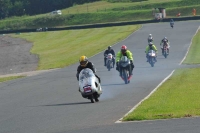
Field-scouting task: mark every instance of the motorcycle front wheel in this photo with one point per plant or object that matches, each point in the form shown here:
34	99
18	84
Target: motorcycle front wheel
151	61
108	66
125	75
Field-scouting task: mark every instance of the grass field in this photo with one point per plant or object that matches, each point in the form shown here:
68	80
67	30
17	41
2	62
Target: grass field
62	48
178	96
102	12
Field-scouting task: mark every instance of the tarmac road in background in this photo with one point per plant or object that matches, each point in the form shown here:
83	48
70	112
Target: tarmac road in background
50	102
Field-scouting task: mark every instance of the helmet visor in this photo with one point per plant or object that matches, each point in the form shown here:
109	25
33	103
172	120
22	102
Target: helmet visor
123	50
83	63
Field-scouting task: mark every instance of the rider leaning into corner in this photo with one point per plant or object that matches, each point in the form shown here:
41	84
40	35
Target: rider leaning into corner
84	63
109	50
125	52
164	41
151	46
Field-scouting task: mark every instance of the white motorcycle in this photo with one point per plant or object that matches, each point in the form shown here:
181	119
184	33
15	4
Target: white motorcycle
109	61
89	85
152	57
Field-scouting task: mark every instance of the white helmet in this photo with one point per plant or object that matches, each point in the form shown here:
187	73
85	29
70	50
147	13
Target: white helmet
165	37
150	35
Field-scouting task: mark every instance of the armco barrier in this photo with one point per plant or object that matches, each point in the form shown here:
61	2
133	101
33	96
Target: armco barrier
104	25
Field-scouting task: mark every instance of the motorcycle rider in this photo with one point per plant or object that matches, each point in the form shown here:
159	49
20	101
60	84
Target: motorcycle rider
163	42
109	50
151	46
171	23
84	63
125	52
150	38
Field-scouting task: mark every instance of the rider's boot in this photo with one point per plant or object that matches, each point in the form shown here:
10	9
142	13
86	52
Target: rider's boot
104	62
147	58
96	99
120	73
129	78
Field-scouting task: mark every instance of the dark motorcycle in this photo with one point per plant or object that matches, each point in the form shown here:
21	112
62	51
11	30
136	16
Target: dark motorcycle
172	24
124	69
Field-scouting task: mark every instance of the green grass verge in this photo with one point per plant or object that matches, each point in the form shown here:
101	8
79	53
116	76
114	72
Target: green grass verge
4	79
62	48
193	56
178	96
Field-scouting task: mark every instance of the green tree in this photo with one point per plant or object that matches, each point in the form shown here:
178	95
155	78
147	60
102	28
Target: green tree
4	8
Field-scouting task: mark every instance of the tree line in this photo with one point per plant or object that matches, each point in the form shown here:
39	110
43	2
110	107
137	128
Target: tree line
10	8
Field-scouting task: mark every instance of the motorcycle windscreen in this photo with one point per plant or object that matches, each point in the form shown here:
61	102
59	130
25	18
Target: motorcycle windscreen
109	56
85	80
124	61
152	53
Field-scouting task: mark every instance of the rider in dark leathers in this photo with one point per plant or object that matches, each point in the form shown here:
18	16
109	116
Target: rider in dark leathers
84	63
109	50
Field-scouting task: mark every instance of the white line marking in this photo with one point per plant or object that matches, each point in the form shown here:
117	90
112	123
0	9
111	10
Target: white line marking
189	46
120	120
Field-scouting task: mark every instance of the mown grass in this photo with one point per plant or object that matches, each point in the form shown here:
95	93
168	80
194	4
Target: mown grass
193	56
102	12
178	96
62	48
3	79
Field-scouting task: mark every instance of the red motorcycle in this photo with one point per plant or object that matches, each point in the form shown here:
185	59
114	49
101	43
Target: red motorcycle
165	50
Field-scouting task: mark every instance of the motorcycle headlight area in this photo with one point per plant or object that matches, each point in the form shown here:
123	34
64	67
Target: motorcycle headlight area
87	88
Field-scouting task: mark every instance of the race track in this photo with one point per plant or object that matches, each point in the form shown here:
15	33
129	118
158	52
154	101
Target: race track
50	102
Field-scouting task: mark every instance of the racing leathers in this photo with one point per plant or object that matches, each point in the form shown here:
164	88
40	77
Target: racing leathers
150	47
90	66
113	55
129	56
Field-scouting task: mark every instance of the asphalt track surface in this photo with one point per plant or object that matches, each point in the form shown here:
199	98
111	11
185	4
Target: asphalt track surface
50	102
